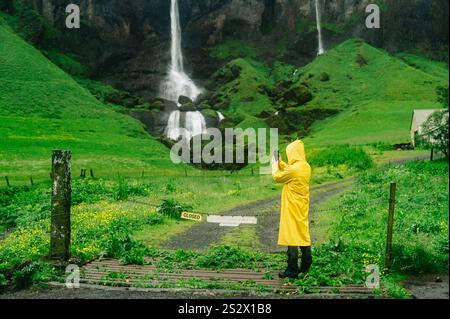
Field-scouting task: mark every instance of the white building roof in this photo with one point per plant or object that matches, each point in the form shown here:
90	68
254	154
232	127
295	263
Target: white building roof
420	116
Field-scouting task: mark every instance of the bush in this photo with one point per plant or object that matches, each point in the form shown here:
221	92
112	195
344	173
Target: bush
443	94
123	190
23	275
354	157
21	205
172	208
324	77
435	131
120	243
89	191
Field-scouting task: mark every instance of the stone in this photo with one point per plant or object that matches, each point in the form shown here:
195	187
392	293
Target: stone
324	77
188	107
299	94
184	100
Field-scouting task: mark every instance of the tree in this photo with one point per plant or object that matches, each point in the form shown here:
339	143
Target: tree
435	131
442	93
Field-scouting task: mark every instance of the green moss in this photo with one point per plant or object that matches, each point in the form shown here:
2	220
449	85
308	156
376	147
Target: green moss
231	49
66	63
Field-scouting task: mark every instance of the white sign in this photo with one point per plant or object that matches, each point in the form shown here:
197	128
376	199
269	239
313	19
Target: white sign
231	221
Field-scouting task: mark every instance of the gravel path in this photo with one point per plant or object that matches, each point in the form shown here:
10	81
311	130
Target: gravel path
201	236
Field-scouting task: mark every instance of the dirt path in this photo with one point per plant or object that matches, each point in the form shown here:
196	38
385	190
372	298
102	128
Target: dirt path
428	286
203	235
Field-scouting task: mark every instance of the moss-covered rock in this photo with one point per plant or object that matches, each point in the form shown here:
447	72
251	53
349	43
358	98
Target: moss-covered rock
188	107
211	117
299	94
280	121
324	77
156	105
184	100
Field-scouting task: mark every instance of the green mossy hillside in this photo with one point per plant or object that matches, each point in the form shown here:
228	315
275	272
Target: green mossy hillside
43	108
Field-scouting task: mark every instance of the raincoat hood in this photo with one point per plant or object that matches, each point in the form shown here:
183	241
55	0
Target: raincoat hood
295	152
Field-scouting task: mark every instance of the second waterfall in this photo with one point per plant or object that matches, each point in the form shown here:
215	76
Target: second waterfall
179	83
320	49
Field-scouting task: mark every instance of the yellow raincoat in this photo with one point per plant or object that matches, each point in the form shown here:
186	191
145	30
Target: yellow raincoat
294	224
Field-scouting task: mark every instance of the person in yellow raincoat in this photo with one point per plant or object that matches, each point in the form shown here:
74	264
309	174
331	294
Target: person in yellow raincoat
294	223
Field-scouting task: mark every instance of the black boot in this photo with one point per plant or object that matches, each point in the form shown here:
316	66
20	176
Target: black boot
306	259
292	268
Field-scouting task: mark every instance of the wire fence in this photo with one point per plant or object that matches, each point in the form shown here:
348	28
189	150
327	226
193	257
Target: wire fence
23	180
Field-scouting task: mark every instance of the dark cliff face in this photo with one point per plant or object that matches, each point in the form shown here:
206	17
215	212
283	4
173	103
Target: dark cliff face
126	43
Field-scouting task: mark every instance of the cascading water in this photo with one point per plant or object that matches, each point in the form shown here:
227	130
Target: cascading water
321	49
178	83
220	116
194	123
173	125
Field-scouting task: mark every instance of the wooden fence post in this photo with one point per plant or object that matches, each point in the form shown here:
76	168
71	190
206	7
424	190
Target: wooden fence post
61	197
390	226
7	181
432	154
31	180
91	172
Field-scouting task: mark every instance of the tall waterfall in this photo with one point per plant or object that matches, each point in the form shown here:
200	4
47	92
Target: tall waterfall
178	83
321	49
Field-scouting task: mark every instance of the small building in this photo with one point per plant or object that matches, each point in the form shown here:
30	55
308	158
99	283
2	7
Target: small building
418	118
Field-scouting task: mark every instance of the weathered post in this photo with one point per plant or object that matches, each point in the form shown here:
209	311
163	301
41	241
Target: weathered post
432	154
390	226
91	172
61	197
83	173
31	180
7	181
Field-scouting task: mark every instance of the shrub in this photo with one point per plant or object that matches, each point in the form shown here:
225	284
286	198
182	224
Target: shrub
88	191
443	94
351	156
435	131
120	243
21	205
172	208
123	190
324	77
23	275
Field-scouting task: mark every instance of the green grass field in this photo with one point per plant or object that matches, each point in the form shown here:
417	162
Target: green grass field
42	108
